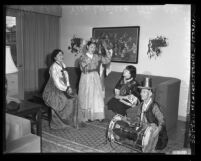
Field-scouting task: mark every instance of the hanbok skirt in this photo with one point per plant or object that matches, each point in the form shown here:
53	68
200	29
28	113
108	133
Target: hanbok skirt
91	97
64	109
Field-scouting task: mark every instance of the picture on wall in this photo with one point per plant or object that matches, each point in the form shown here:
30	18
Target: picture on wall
123	40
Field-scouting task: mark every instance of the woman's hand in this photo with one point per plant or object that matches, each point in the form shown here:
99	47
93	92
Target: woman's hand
117	96
69	90
117	93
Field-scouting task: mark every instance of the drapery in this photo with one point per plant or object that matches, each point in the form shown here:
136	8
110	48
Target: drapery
40	36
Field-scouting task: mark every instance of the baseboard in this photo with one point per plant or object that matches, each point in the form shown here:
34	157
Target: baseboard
182	118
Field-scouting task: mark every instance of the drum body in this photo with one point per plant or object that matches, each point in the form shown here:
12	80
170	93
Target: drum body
140	138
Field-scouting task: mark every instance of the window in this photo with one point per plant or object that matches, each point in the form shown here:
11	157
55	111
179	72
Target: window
11	36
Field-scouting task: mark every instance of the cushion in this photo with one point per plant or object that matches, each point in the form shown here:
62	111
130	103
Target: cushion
25	144
16	127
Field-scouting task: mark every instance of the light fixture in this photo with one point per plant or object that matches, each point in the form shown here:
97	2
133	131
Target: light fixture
10	69
10	65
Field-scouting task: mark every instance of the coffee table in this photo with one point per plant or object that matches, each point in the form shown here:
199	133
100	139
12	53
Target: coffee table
31	111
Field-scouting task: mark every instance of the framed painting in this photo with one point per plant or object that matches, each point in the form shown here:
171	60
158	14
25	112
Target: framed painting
124	41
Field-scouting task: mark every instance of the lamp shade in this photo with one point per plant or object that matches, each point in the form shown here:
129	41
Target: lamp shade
10	65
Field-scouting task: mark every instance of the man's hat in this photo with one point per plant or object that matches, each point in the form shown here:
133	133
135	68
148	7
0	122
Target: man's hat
146	84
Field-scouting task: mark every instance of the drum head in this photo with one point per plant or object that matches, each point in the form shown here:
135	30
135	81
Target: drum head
112	123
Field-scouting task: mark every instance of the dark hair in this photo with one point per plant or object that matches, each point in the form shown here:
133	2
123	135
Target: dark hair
55	52
132	70
89	43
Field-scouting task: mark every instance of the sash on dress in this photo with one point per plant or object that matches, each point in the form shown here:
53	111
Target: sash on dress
62	72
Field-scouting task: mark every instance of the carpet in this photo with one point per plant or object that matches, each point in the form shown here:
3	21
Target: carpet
91	139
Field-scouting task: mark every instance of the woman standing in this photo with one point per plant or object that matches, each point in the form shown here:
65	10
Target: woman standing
127	94
91	95
57	93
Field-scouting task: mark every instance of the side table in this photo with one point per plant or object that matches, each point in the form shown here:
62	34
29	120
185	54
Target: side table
31	111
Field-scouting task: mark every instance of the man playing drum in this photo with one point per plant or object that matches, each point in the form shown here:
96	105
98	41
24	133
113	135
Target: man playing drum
149	114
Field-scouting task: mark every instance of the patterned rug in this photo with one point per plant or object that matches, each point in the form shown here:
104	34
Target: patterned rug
91	139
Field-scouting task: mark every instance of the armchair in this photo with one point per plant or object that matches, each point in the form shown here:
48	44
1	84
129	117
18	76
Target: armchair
18	136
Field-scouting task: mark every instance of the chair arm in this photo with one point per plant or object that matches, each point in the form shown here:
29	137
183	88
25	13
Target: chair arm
28	143
16	127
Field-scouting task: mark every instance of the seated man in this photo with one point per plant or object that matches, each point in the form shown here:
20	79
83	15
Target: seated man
148	132
149	113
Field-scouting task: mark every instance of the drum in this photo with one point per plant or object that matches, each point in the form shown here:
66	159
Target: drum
133	135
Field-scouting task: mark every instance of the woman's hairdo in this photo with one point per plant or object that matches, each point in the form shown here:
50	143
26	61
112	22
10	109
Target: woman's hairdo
55	52
89	43
132	70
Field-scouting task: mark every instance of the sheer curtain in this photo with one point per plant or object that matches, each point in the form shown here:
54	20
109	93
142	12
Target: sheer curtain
40	36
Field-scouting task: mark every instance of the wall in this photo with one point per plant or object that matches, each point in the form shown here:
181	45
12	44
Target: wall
172	21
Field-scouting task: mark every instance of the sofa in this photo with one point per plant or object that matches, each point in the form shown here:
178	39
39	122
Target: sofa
166	91
18	136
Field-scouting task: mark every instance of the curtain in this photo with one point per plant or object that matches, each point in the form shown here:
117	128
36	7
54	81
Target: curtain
40	38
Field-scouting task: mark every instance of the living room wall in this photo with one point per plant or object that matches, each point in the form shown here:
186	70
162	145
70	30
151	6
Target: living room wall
171	21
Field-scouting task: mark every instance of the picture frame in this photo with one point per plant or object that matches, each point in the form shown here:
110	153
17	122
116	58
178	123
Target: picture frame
123	40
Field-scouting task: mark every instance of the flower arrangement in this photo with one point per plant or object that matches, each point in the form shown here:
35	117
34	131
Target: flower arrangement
155	45
76	45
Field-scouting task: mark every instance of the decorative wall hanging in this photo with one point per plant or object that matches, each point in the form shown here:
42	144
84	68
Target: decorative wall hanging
124	41
154	46
76	45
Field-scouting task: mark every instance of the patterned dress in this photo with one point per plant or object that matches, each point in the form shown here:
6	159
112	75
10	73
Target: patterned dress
91	93
54	96
125	89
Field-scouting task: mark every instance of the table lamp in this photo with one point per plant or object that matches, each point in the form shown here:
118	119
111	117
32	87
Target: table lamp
10	69
10	66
